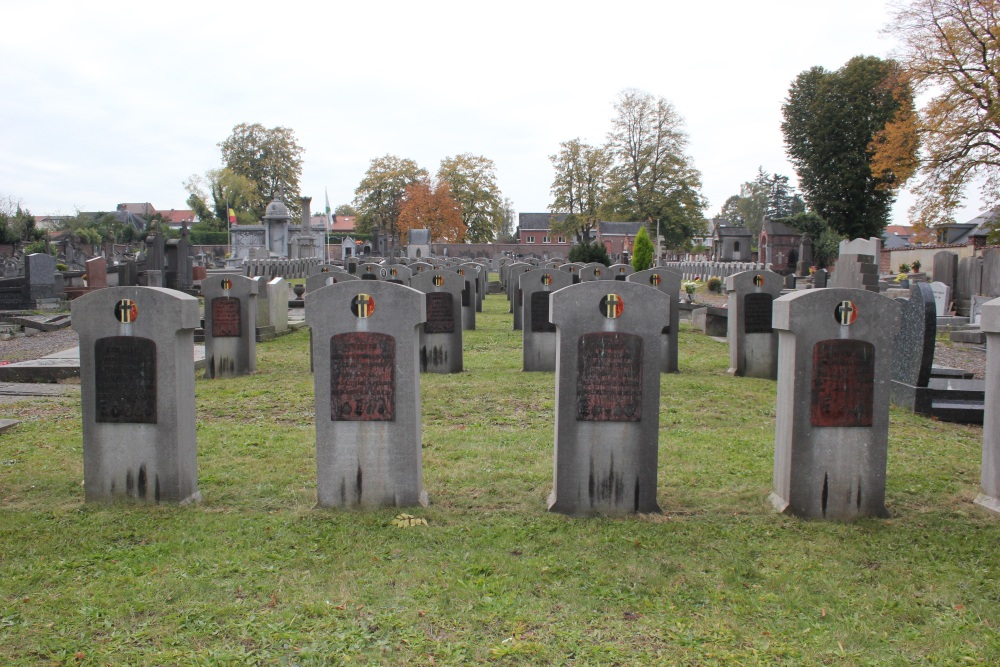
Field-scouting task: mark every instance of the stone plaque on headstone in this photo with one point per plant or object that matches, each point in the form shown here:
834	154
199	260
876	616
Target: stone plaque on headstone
832	416
125	380
137	393
362	377
441	334
538	334
230	325
669	283
607	396
367	389
843	383
753	343
609	378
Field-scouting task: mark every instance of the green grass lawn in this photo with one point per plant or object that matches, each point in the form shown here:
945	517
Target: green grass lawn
256	575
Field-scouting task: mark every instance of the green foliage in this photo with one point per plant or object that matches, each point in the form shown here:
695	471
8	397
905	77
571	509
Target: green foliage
212	195
589	252
474	186
269	159
904	268
16	222
653	178
642	251
580	186
714	285
38	246
825	241
379	196
831	120
766	196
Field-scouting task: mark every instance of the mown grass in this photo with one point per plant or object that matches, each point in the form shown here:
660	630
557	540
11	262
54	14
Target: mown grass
256	575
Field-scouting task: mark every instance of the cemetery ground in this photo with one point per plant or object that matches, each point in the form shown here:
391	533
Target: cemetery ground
255	575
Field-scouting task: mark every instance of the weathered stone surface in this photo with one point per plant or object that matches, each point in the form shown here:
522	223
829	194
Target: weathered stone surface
441	334
668	282
832	422
753	342
230	325
538	333
607	396
367	386
137	393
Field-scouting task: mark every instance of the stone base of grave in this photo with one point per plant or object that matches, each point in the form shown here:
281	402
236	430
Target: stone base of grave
711	320
952	373
909	397
946	323
973	336
988	503
6	424
265	334
778	503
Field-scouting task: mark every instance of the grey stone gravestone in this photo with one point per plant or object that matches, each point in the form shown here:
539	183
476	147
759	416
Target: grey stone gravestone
137	393
277	303
944	268
669	283
400	274
481	282
913	350
441	334
573	268
832	421
514	272
620	271
753	343
607	396
367	387
942	298
819	277
989	497
975	315
230	325
538	333
470	286
317	280
595	271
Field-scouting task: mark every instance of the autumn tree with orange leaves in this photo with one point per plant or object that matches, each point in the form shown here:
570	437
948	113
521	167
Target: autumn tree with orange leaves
428	205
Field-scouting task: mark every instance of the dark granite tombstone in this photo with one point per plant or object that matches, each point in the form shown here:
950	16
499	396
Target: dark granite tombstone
913	350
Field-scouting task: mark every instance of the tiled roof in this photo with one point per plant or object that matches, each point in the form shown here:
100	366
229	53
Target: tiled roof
606	228
538	221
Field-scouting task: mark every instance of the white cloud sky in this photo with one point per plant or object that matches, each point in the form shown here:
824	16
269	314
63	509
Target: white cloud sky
110	102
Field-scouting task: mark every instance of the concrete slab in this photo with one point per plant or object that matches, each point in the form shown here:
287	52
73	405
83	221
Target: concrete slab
61	366
6	424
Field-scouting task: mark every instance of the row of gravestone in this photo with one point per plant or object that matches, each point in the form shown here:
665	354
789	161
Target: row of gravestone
831	428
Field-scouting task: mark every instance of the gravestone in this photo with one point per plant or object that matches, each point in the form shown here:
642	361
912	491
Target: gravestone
819	277
470	286
39	278
97	273
481	283
944	268
367	386
441	334
832	416
942	298
573	268
137	393
753	343
913	350
317	280
607	396
989	497
595	271
620	271
514	272
230	325
976	312
420	267
669	283
277	303
857	264
399	274
538	333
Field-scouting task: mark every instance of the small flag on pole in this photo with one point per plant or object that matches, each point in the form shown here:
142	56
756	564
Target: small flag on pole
232	217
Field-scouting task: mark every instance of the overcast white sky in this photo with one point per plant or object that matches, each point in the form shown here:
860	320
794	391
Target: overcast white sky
108	102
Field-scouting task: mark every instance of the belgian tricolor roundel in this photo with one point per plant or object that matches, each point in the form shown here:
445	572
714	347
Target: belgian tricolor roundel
227	284
126	311
758	280
438	280
655	279
612	306
362	306
846	312
546	278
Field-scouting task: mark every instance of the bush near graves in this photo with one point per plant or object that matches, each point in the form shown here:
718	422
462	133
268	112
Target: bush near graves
589	252
642	251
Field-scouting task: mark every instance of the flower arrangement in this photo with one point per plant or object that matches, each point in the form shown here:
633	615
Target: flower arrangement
690	286
904	268
916	266
901	277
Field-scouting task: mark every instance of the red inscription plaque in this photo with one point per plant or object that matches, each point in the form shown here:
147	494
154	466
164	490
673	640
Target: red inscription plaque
362	377
225	317
843	384
609	377
440	313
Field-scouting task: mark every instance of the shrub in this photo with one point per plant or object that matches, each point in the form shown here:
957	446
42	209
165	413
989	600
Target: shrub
714	284
904	268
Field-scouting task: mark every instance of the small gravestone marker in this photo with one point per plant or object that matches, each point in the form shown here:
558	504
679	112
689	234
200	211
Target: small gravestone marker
137	393
607	396
942	298
621	271
441	334
538	333
470	288
230	325
832	422
753	344
367	388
